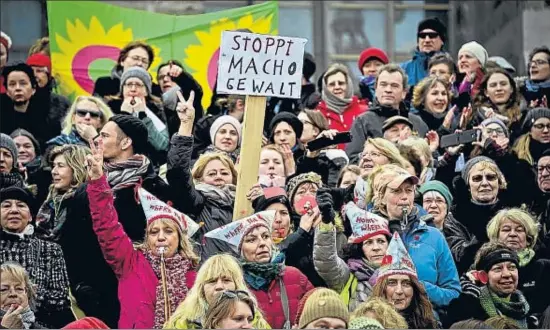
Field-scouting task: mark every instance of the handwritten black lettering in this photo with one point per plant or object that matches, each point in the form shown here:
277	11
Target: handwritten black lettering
292	68
240	85
235	37
290	42
236	65
251	65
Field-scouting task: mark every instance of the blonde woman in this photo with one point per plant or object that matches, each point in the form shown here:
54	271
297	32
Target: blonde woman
536	137
233	310
155	276
380	310
84	120
518	230
378	151
207	192
432	97
218	274
65	218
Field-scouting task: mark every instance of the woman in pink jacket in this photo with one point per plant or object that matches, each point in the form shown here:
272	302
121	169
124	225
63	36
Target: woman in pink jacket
154	277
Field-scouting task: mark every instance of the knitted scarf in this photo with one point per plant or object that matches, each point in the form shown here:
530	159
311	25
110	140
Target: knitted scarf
233	155
127	173
525	256
52	206
71	138
11	179
533	86
176	269
223	196
516	309
27	317
361	269
260	275
336	104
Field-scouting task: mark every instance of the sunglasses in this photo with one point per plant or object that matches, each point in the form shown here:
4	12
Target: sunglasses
84	112
432	35
489	177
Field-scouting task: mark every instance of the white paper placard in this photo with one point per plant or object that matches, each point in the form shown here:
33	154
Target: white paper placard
260	64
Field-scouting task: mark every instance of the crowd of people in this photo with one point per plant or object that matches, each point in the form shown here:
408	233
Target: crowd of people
117	208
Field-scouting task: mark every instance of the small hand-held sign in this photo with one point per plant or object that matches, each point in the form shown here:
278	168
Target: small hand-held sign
257	65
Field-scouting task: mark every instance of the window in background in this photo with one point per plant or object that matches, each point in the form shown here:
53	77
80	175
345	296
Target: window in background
297	22
13	14
406	22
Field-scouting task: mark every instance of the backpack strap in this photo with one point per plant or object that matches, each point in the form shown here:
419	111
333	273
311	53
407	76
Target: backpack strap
284	301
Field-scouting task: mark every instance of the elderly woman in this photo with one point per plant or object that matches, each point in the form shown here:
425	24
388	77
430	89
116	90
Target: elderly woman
277	287
397	282
338	104
232	310
9	168
382	311
218	274
155	276
85	118
437	201
477	191
42	260
352	278
536	135
226	134
517	229
17	298
472	58
64	218
136	98
378	151
392	194
496	269
208	192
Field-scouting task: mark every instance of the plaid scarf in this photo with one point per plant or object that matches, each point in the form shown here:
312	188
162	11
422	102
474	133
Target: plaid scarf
176	270
127	173
515	309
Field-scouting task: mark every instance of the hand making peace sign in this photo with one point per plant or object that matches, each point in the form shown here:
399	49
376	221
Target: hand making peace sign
185	108
94	162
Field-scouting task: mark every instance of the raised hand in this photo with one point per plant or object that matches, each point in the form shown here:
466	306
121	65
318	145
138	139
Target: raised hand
12	319
288	159
87	132
94	162
449	117
185	108
433	140
311	219
254	192
466	114
175	70
127	105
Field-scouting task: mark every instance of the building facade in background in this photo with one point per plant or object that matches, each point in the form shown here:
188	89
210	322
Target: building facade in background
339	30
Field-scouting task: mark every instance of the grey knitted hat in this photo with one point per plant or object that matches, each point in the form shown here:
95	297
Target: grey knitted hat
7	142
471	163
137	72
497	121
533	115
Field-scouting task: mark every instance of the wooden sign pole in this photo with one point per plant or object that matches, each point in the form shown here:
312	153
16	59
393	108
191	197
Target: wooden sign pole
249	160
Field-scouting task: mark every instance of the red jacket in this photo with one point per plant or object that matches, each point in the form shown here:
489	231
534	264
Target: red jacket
343	122
296	286
137	281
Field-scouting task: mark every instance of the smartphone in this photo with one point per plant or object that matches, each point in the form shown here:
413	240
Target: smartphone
464	137
304	204
323	142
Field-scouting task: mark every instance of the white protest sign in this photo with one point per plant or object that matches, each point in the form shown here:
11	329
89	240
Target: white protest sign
260	65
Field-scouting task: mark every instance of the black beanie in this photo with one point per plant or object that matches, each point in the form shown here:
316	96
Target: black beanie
309	66
533	115
21	194
289	118
27	134
433	23
135	129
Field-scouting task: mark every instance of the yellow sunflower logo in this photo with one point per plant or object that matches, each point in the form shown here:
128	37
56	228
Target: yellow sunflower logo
84	46
202	59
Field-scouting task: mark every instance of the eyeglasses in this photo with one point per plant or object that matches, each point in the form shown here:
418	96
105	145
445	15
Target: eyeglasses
432	35
498	131
538	62
488	177
337	83
140	59
372	154
134	84
541	127
84	112
541	168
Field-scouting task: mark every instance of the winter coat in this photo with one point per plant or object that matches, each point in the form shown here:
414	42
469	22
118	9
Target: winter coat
433	260
417	67
336	272
136	278
327	164
344	121
296	286
532	92
212	212
93	283
131	214
370	124
45	265
533	283
58	105
462	243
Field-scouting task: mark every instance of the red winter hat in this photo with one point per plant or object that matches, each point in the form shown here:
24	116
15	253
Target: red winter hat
87	323
41	60
372	52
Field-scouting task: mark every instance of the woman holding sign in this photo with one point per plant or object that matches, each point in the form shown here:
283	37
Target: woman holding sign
208	192
155	276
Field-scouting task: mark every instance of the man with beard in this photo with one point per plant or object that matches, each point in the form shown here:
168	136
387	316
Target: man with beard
20	109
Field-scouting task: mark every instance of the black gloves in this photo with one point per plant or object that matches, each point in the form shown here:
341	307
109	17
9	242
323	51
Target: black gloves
325	203
341	196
